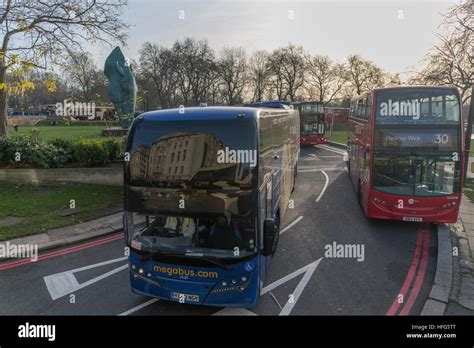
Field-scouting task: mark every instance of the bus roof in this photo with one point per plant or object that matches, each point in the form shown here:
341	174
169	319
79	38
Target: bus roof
207	113
365	94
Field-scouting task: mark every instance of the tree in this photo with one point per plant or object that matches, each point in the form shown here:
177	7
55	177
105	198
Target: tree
157	65
287	68
232	68
81	70
258	75
363	75
326	77
451	61
276	77
196	70
33	33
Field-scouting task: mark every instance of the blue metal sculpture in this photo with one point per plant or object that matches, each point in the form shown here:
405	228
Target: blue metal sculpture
122	86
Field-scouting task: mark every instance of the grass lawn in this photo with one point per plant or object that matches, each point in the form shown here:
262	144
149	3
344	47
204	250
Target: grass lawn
67	132
339	134
39	206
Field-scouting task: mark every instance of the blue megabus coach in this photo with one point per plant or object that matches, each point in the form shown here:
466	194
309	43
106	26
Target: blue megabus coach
205	191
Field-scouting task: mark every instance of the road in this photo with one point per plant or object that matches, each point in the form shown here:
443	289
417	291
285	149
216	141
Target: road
392	277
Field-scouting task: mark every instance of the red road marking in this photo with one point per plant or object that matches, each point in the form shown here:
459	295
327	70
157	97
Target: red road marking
63	251
411	273
419	277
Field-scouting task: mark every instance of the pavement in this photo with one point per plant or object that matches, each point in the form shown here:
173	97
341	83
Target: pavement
71	234
461	299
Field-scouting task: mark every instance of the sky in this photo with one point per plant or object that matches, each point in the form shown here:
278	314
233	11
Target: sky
394	34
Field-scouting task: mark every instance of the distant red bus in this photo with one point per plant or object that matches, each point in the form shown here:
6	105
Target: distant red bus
406	153
340	115
312	122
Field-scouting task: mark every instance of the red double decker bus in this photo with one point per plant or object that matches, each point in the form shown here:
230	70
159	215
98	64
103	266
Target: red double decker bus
312	122
406	153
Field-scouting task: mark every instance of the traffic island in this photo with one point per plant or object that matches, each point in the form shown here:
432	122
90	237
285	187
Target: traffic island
28	209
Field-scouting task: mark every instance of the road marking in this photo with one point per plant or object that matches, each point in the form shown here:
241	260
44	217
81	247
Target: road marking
64	283
288	277
409	277
276	301
137	308
327	169
419	277
63	251
324	147
299	289
234	311
308	270
325	186
286	228
311	157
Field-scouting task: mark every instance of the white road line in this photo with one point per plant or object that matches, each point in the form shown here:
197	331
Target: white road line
137	308
341	152
314	170
299	288
325	186
291	225
234	311
288	277
96	265
64	283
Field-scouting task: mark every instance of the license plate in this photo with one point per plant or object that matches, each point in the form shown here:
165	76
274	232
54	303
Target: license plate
184	297
412	218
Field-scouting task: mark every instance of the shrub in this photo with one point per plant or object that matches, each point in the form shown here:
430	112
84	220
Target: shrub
114	146
31	150
57	152
90	152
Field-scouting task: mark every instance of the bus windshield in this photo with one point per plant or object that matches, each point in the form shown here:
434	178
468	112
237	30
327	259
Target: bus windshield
420	175
417	106
180	154
216	236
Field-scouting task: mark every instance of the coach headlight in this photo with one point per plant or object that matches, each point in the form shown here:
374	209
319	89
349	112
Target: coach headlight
234	284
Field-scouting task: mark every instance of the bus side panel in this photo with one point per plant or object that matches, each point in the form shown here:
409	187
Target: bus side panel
265	174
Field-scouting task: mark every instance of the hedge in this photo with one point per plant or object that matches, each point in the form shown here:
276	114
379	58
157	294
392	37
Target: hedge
30	150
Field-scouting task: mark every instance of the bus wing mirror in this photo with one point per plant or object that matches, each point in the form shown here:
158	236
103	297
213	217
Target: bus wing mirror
126	227
269	236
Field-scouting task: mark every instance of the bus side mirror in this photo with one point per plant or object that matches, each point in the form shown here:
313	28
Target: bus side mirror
126	228
269	237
